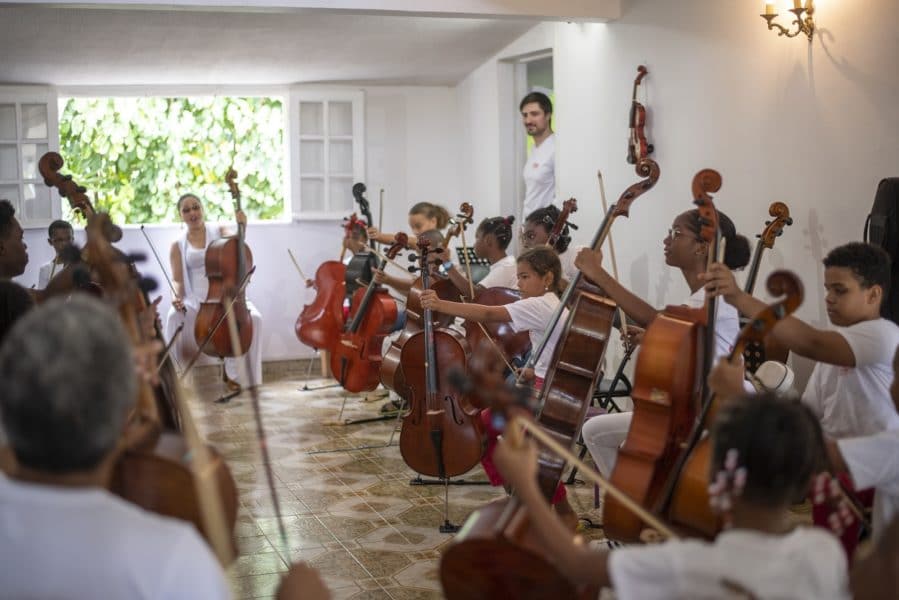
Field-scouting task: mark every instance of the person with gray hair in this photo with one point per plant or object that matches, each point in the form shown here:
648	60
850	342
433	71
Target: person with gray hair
69	384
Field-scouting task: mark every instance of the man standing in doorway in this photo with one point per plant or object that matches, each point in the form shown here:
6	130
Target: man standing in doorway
540	168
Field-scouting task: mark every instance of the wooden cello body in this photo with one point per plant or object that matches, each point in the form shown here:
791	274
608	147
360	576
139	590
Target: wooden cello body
441	434
689	503
228	263
321	321
356	356
675	355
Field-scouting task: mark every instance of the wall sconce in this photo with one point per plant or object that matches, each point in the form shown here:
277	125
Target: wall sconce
803	25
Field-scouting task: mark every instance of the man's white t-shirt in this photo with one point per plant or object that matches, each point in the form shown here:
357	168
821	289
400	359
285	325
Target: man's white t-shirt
58	542
533	315
805	563
503	273
855	401
873	461
539	175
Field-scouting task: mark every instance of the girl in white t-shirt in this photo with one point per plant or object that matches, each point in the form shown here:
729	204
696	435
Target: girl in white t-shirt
491	240
765	452
686	251
539	277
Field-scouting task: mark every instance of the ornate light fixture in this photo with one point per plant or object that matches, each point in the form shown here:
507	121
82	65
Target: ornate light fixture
803	25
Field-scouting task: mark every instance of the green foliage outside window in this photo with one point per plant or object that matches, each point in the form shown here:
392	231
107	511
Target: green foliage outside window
136	156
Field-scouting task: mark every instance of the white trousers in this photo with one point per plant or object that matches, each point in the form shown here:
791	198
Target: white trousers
603	435
186	346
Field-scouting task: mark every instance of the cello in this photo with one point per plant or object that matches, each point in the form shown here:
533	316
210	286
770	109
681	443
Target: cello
441	434
321	321
676	353
689	502
359	269
229	263
576	365
757	352
356	356
161	409
637	146
391	365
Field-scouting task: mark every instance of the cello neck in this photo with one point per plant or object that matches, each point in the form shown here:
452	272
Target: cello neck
353	325
754	267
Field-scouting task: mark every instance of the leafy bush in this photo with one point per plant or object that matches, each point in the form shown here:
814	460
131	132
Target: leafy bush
136	156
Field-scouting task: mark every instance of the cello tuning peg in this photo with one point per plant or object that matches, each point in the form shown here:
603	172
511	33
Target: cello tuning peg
572	225
413	269
767	222
135	257
412	257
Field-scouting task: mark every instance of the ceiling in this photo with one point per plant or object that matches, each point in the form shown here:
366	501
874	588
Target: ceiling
97	46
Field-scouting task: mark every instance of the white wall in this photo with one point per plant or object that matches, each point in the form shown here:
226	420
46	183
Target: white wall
488	111
412	152
814	126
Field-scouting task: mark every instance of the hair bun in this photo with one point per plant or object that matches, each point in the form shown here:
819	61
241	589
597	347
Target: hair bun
509	220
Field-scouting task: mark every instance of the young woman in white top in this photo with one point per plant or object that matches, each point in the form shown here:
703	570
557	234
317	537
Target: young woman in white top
774	449
684	250
491	240
188	264
539	278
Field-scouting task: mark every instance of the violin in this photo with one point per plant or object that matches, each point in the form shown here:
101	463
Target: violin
667	393
576	366
320	323
229	263
758	352
441	435
637	146
356	356
689	502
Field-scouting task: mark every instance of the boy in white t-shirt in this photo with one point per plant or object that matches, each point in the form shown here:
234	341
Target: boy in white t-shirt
849	387
491	240
60	236
776	446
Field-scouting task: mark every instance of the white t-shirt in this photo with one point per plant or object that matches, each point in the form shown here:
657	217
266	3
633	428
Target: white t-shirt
85	543
539	175
567	260
852	402
873	461
727	323
503	273
805	563
533	315
47	272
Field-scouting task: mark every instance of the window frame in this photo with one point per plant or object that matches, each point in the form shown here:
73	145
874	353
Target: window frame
306	93
33	94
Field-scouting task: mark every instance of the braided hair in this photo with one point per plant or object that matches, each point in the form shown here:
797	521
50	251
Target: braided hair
498	227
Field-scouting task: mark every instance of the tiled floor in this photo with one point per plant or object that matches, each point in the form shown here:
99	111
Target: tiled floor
350	514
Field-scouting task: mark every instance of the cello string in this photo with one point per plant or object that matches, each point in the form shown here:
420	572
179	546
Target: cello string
297	265
382	256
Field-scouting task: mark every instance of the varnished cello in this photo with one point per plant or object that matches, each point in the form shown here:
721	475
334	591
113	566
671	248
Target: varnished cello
675	356
441	434
688	505
576	365
356	356
229	264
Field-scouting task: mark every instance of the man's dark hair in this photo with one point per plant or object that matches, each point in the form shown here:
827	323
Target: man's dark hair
68	385
870	264
58	224
7	212
540	98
